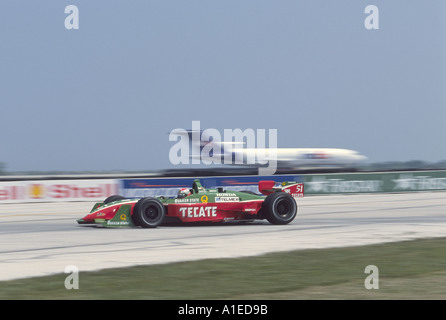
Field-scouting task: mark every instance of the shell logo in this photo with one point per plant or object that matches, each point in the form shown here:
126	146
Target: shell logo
36	191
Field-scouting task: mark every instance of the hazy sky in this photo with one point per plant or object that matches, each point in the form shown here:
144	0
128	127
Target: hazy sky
105	96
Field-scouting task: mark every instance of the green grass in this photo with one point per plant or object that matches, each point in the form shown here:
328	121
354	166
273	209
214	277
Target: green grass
407	270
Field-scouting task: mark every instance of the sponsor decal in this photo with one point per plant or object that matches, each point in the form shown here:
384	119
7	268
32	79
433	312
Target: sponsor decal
198	212
36	191
295	190
76	191
11	192
117	223
226	199
204	199
58	190
324	185
316	156
187	200
226	195
421	182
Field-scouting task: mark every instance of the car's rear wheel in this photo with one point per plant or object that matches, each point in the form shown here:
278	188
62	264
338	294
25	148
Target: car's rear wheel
148	212
279	208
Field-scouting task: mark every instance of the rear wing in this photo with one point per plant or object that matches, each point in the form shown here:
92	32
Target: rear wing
296	190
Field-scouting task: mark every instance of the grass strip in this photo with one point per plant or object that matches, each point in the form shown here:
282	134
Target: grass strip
407	270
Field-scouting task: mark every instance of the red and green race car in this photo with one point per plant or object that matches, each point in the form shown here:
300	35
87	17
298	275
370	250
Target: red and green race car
276	203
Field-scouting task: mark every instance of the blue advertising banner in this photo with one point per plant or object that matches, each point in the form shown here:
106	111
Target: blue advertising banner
344	183
152	187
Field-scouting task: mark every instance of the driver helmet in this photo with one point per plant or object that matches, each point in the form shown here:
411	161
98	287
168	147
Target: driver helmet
183	192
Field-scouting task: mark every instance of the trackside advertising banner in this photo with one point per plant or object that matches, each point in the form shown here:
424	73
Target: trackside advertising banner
138	188
57	190
407	181
314	184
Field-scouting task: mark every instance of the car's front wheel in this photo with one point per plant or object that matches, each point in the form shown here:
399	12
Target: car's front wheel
148	212
113	199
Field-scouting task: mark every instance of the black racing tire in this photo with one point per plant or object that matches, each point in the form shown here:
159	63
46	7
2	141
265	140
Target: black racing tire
148	212
279	208
113	199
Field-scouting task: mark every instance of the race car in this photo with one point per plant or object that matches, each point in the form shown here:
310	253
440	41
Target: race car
276	203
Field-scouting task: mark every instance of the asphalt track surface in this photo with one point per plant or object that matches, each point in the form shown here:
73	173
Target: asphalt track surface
38	239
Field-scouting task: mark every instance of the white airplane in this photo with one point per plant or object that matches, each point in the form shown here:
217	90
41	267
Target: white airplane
208	151
298	157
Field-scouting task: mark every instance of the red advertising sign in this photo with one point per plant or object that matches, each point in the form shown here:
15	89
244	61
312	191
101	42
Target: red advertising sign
57	190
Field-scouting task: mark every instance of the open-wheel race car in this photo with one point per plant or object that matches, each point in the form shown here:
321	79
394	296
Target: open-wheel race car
276	203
